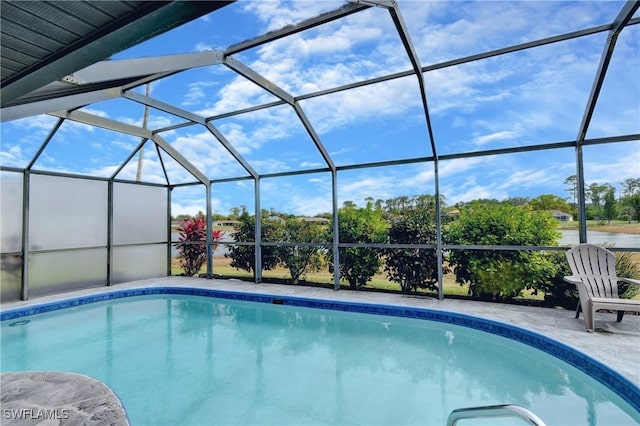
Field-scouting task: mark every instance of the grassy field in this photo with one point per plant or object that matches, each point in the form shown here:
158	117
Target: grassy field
618	226
221	266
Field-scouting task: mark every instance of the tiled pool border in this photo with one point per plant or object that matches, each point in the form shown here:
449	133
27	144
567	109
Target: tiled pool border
583	362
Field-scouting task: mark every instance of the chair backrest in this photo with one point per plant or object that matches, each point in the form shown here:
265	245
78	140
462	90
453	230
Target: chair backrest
596	267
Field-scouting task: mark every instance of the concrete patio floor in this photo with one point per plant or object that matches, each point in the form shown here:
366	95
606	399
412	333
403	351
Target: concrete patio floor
614	344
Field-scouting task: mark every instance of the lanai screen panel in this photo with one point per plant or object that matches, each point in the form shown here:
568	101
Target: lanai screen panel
10	235
617	111
443	31
140	231
66	213
67	234
535	96
21	139
139	214
272	140
87	150
144	166
607	170
58	271
210	91
356	47
520	175
139	262
374	123
11	211
387	187
301	195
202	149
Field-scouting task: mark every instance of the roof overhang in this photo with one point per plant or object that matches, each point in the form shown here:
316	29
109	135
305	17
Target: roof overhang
44	41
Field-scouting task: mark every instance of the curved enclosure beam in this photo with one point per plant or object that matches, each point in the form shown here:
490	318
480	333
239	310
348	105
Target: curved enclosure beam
624	16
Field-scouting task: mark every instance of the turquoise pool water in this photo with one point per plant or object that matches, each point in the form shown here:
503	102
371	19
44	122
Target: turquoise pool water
191	360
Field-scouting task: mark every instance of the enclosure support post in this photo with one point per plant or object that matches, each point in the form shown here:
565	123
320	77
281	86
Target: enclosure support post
336	233
24	291
169	257
110	232
208	227
257	270
403	32
439	254
582	211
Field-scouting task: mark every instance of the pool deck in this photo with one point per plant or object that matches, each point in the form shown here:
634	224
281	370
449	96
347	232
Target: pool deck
614	344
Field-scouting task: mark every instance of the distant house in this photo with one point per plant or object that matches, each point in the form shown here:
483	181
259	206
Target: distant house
452	213
562	216
314	219
225	223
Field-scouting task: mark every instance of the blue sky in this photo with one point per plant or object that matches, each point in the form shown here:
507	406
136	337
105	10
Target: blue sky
530	97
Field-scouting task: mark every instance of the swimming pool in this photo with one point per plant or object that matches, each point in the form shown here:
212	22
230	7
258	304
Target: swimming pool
175	357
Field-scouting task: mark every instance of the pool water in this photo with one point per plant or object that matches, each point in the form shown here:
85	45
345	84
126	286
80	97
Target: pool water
192	360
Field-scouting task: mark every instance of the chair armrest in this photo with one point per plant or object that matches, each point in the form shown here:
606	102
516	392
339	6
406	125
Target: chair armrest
573	279
629	280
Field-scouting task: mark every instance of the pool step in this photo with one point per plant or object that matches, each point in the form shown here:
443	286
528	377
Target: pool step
506	410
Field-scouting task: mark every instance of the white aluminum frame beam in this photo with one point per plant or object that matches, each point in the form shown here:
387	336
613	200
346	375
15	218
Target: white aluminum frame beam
133	72
138	67
324	18
283	95
258	79
117	126
230	148
187	115
401	27
31	109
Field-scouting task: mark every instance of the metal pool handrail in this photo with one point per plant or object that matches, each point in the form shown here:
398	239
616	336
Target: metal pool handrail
494	411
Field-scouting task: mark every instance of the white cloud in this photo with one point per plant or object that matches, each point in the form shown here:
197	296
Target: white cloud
275	14
498	136
202	47
197	92
240	93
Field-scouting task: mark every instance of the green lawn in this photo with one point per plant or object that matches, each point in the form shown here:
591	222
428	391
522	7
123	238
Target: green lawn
451	288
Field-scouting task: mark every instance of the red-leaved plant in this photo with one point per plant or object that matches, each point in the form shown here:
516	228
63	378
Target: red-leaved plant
192	256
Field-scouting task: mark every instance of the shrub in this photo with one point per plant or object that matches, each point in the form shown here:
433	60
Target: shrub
299	258
627	266
501	274
359	225
243	257
409	267
557	292
192	256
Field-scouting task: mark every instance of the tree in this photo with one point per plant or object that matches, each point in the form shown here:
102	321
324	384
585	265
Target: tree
359	225
610	204
518	201
595	193
631	197
633	202
572	187
550	202
501	274
630	187
298	258
409	267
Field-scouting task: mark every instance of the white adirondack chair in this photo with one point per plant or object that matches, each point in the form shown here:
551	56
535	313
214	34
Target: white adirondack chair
594	273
